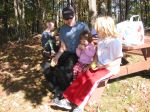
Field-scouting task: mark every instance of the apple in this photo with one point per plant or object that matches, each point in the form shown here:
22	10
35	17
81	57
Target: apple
93	65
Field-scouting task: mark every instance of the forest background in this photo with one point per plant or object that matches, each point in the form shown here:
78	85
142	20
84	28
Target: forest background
21	19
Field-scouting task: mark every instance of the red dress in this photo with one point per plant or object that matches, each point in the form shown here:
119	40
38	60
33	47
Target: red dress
83	84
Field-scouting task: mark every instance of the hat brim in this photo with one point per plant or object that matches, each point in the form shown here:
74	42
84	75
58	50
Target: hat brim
66	17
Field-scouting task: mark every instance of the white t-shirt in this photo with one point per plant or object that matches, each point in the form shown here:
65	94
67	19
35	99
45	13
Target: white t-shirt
109	49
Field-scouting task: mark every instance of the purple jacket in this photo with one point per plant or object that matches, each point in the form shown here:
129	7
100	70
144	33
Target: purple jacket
86	55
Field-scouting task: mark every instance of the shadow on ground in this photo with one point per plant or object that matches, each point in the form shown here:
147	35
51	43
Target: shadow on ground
20	70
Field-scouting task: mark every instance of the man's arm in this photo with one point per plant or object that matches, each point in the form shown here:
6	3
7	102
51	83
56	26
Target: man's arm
59	53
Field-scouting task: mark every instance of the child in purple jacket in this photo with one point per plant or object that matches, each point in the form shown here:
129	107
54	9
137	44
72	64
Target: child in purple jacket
85	51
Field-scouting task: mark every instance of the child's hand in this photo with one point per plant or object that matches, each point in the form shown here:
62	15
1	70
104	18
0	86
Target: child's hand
93	65
81	46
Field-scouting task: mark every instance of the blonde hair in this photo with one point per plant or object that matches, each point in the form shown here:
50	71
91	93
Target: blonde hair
105	27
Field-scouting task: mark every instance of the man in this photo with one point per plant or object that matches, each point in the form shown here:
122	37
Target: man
64	60
69	33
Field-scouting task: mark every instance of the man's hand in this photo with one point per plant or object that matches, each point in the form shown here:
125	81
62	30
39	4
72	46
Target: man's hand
54	61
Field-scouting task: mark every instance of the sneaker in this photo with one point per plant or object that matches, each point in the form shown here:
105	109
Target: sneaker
56	99
64	103
77	109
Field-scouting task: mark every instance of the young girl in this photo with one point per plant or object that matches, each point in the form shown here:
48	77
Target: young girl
85	51
109	53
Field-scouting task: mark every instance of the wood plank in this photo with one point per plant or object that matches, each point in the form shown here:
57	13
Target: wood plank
134	47
135	52
133	68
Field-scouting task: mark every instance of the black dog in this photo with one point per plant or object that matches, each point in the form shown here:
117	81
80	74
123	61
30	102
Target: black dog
61	75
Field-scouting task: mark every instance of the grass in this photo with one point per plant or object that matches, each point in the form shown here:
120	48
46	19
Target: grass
127	95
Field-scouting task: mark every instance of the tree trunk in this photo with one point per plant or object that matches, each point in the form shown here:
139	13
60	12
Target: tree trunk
120	7
92	11
109	8
141	11
53	9
17	18
19	8
5	20
37	20
127	9
102	8
92	7
16	12
146	14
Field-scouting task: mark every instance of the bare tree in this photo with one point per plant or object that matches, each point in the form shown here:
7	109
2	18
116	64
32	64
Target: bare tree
127	9
19	8
92	10
109	12
92	7
120	7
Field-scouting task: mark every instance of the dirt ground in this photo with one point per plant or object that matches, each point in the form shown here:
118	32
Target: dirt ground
22	85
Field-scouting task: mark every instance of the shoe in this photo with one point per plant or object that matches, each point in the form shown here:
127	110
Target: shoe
77	109
56	99
64	103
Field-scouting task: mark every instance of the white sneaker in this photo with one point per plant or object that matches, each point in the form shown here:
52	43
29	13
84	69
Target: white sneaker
77	109
64	103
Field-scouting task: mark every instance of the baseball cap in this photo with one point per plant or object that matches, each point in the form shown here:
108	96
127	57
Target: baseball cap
68	12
